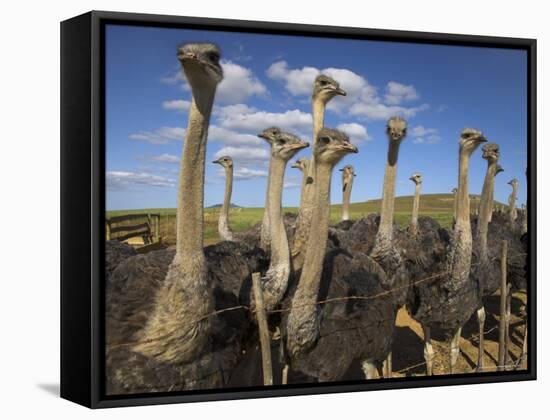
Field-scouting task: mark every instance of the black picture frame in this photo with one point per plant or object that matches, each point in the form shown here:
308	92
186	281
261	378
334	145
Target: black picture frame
83	205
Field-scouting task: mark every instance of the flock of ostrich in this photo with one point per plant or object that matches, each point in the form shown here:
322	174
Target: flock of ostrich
183	318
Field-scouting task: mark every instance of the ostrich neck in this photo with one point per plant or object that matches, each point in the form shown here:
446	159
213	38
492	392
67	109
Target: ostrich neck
460	257
279	267
303	323
189	238
304	183
347	197
416	206
223	222
385	230
512	201
486	208
305	214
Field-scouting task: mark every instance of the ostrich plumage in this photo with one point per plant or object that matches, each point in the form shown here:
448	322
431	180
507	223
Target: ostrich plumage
115	253
130	301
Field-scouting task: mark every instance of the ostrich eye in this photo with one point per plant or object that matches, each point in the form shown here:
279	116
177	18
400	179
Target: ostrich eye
323	83
325	140
215	57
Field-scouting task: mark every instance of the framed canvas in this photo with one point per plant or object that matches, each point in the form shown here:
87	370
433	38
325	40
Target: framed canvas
235	223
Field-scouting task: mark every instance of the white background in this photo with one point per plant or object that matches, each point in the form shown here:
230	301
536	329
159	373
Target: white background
29	190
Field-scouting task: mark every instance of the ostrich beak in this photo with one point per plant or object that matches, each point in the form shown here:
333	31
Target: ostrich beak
340	91
216	161
298	146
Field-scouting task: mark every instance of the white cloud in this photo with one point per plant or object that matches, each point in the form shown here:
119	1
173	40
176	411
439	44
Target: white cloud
423	135
396	93
357	132
238	84
166	158
292	182
230	137
163	135
178	105
247	155
122	180
380	111
246	173
362	99
252	121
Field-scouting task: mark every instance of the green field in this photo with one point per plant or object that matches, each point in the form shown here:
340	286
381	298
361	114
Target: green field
437	206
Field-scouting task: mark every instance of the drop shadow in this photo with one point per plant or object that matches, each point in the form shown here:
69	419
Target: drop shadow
52	389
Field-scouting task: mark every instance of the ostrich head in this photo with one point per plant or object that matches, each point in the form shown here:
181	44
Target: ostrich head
470	139
283	145
499	169
490	152
201	64
396	129
348	172
325	88
513	183
225	161
333	145
270	134
416	178
300	164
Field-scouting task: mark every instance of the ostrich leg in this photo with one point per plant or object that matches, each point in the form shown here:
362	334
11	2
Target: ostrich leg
428	351
369	369
481	345
455	349
387	367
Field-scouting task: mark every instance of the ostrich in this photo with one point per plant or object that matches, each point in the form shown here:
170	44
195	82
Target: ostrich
323	340
417	179
223	222
283	147
445	303
348	173
512	212
115	253
159	332
324	89
454	191
486	270
498	170
302	164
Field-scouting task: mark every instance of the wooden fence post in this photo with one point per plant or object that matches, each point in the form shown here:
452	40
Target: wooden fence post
502	324
265	341
508	318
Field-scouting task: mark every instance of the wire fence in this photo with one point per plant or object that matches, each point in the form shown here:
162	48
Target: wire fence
253	310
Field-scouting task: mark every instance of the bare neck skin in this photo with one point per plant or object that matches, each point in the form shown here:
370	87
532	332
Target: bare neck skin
305	214
265	232
486	208
460	258
384	235
223	222
348	185
279	268
304	183
512	202
189	218
303	322
455	204
416	206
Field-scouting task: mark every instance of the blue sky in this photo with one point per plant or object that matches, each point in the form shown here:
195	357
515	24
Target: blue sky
438	89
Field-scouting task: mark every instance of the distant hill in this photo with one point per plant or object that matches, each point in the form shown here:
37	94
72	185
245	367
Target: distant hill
231	206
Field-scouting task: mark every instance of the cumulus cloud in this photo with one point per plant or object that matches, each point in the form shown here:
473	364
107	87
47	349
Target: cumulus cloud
396	93
238	84
246	173
230	137
123	180
357	132
241	117
178	105
423	135
246	155
362	100
163	135
292	182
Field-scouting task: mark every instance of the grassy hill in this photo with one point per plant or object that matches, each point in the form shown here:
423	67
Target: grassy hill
438	206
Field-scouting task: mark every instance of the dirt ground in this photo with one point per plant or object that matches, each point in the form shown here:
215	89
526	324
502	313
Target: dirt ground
408	348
